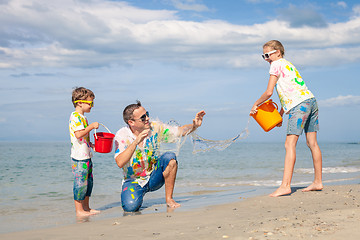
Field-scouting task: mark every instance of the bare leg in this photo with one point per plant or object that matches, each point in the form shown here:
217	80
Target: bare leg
87	208
317	161
290	158
79	208
170	176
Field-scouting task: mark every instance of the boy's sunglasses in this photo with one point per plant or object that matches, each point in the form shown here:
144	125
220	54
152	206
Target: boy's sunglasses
91	103
143	117
267	55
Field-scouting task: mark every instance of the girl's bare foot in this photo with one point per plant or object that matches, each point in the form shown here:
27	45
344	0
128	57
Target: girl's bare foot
172	204
313	187
281	191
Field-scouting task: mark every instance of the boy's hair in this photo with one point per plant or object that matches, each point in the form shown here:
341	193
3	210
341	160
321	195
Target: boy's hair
276	45
81	93
129	110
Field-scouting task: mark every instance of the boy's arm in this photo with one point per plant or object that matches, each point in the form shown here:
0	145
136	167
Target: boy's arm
126	155
84	132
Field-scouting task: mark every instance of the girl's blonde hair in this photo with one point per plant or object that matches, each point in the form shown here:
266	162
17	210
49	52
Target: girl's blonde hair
276	45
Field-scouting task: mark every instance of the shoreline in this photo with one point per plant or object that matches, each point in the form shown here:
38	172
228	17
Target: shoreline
333	213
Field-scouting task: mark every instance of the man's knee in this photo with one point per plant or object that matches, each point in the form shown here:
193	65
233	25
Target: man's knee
129	204
169	156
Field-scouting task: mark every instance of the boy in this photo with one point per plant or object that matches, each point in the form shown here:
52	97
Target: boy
82	99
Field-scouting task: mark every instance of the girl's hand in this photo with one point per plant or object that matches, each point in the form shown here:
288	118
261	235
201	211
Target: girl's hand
253	110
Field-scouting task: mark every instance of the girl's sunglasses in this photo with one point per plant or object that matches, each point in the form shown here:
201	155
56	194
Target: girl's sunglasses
267	55
143	117
91	103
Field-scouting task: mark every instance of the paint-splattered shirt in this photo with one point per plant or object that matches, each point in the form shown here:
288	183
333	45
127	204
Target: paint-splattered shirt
290	86
80	148
144	159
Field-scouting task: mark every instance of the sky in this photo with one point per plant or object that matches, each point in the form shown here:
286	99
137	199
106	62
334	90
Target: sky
177	57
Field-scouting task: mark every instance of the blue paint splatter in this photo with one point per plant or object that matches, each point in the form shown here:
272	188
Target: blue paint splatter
299	123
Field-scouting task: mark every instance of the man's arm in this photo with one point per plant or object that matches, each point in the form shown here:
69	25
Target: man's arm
126	155
197	121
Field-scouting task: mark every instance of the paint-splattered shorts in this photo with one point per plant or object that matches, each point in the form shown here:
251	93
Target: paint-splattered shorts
304	116
132	193
83	178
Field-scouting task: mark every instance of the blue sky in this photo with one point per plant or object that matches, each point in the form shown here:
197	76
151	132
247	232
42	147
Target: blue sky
177	57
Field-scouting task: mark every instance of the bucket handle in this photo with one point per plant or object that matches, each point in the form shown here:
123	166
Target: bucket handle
104	127
271	101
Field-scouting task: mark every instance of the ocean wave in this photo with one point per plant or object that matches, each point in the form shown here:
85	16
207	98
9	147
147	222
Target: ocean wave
329	170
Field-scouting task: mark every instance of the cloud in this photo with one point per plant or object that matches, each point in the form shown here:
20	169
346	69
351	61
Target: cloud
341	4
189	5
348	100
105	33
298	17
356	10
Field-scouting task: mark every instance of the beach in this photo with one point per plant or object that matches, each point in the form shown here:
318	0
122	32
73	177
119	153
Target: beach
333	213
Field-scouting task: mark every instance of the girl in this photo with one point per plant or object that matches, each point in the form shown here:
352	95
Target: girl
301	105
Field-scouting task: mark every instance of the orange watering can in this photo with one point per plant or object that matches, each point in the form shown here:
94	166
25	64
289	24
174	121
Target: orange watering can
267	115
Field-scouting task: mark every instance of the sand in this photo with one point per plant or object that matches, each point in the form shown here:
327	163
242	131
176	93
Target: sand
333	213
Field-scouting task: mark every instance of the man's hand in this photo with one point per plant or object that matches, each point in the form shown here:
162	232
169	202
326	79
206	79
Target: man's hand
197	121
142	136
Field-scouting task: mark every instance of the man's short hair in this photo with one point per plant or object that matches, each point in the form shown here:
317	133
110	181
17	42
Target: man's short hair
81	93
129	110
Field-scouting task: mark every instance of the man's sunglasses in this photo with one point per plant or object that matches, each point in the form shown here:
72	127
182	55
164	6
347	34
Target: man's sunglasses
91	103
267	55
143	117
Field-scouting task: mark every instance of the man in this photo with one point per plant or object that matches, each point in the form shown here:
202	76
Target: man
138	154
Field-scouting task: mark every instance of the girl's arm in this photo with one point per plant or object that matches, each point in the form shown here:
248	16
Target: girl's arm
266	95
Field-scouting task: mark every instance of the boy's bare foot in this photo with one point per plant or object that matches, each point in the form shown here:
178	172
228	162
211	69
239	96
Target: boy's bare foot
313	187
281	191
172	204
83	213
94	211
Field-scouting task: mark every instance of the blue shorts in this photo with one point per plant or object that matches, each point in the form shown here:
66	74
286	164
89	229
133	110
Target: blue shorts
83	178
132	193
304	116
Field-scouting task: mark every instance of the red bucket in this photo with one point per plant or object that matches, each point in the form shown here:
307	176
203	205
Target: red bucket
103	141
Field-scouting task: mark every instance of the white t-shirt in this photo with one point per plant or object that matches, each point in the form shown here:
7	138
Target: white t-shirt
80	148
290	86
144	159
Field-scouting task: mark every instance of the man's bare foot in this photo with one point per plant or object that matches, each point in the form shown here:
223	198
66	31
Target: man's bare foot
313	187
172	204
281	191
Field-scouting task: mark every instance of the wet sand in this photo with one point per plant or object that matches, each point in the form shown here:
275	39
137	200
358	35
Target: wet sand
333	213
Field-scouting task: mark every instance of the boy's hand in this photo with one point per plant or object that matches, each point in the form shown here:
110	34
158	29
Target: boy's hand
92	146
95	125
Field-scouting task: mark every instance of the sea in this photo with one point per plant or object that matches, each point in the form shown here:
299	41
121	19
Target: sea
36	179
